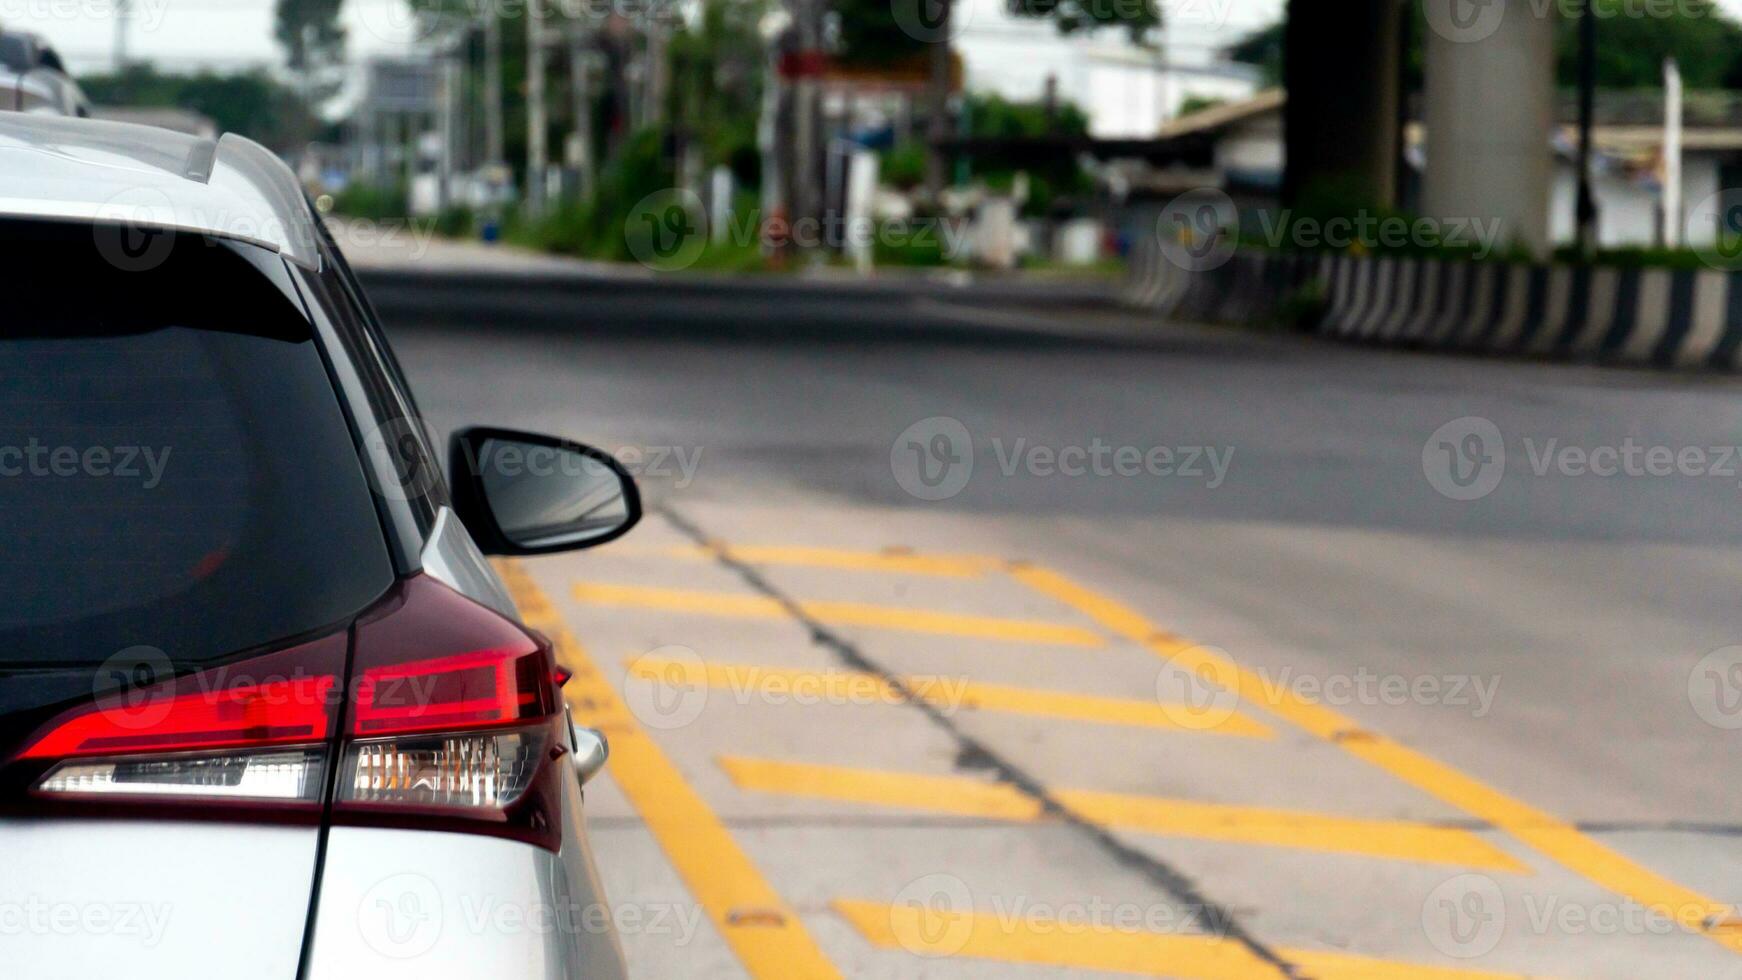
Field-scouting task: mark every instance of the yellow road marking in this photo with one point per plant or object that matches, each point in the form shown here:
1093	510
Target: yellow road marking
1389	839
947	693
761	929
1548	834
891	560
838	613
1097	946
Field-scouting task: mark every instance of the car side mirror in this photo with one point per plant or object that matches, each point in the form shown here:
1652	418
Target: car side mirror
525	494
591	751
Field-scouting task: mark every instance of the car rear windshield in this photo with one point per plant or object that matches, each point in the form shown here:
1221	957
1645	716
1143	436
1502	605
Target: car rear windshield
176	472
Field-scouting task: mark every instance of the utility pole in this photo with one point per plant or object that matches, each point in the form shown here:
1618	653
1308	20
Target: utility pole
1587	200
804	199
537	126
580	84
937	127
449	88
123	26
494	154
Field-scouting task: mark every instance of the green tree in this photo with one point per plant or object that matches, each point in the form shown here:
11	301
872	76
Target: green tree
716	84
310	33
1051	176
1705	42
1631	49
250	103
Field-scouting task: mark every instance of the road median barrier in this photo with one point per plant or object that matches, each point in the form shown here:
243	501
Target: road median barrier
1685	318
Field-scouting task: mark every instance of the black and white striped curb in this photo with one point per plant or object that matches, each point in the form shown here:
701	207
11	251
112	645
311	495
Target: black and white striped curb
1665	317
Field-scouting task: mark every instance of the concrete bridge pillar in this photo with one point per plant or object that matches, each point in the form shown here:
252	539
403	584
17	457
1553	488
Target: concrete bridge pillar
1489	110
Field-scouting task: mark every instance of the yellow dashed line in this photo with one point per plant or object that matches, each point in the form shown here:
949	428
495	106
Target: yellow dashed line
894	561
1551	836
837	613
947	693
1091	946
761	929
1389	839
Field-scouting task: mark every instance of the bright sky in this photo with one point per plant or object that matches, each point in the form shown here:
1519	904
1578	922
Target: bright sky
238	33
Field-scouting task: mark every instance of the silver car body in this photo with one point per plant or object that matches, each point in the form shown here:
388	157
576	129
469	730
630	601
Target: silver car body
169	900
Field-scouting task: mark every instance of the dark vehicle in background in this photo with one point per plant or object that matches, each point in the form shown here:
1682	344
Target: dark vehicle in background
266	710
34	79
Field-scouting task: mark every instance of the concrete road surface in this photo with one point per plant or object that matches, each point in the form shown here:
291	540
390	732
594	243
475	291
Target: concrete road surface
973	634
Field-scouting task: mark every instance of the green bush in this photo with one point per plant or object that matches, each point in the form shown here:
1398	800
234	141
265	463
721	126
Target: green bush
361	200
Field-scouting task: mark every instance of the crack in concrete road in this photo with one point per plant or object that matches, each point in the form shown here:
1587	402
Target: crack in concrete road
1218	920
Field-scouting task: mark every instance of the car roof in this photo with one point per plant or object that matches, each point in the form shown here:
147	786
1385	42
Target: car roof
59	168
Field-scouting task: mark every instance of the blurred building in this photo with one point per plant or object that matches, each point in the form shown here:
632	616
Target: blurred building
1128	90
1238	148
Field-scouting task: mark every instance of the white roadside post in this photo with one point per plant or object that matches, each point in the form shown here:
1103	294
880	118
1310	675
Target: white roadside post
861	236
1672	154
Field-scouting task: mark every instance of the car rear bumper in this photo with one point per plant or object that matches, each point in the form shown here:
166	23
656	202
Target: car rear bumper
152	900
421	905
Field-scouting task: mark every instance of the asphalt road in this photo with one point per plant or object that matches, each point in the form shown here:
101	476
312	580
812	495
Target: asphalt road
1197	664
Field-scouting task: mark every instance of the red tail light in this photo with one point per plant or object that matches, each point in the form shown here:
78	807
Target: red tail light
253	715
451	723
